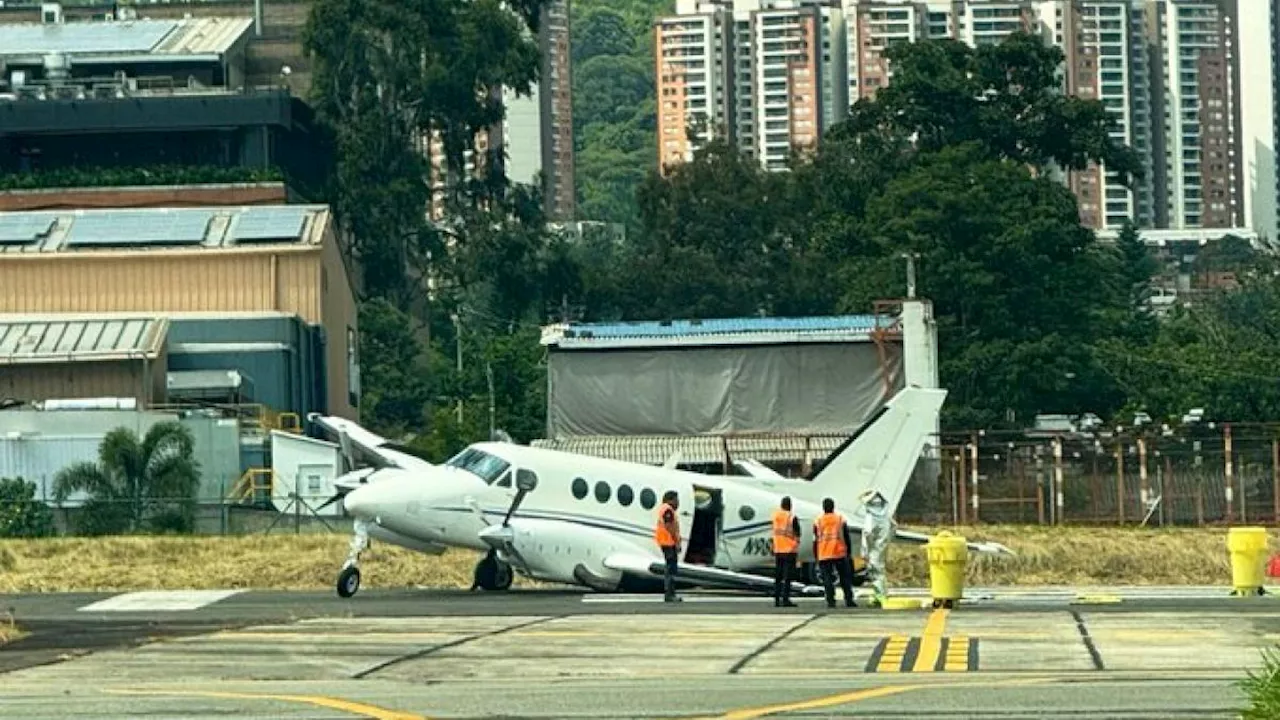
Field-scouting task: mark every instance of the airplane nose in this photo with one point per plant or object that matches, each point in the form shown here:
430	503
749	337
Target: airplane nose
363	502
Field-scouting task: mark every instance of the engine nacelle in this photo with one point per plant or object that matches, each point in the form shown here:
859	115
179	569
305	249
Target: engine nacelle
556	551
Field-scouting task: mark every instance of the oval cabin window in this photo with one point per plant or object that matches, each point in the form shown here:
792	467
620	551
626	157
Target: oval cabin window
579	488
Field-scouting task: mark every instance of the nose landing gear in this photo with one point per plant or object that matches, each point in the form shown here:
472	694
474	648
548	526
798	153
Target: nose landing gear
492	574
349	577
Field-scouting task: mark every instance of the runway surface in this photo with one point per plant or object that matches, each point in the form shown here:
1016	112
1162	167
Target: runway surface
410	654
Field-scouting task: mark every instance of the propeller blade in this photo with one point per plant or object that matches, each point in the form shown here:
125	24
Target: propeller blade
514	504
337	496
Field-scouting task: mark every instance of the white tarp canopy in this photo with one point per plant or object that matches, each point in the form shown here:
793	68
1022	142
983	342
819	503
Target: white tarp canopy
797	388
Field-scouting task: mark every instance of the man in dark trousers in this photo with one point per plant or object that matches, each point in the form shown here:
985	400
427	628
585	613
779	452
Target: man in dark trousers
831	547
667	534
786	546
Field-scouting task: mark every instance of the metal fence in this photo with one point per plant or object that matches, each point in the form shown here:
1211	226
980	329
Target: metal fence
1214	475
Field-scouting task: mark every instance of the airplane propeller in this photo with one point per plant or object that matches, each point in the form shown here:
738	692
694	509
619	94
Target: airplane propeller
347	463
502	537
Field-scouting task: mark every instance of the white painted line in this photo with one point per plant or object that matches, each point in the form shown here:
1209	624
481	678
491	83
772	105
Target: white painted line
160	600
657	599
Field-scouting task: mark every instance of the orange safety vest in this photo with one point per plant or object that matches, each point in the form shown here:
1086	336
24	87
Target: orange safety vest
785	540
831	545
667	534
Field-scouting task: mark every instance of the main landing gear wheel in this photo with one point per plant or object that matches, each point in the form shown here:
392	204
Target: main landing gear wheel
948	604
348	581
492	574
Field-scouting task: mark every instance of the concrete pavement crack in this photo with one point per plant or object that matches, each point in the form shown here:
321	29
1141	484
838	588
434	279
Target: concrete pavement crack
453	643
769	645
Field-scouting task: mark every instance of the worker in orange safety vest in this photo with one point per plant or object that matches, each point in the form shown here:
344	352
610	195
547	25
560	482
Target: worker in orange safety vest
831	547
786	545
667	534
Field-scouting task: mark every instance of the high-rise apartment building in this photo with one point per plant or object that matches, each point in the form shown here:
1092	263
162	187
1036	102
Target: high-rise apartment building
767	74
536	135
1191	85
555	97
694	56
1105	45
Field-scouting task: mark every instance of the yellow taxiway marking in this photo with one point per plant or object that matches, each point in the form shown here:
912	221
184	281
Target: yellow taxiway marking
860	695
355	708
894	651
931	641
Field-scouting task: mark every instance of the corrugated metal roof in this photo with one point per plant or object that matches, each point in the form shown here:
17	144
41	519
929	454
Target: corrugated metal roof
729	331
41	341
87	40
205	36
195	228
697	449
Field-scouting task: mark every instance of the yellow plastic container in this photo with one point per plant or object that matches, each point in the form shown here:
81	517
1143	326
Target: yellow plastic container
947	555
1248	548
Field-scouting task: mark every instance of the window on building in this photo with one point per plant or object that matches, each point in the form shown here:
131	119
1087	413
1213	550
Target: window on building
353	368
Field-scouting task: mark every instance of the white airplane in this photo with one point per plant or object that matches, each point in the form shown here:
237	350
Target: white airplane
583	520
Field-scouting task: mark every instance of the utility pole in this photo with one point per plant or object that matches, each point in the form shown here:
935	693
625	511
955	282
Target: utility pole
911	272
457	344
488	372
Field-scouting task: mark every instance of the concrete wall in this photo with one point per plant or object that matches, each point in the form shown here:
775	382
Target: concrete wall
36	445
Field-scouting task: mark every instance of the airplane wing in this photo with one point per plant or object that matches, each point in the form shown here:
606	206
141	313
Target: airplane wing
379	451
649	566
985	548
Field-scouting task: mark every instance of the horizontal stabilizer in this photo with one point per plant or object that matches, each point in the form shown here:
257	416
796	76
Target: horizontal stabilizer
984	548
653	567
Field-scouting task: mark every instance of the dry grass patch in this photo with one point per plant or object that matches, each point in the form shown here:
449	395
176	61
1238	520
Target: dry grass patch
275	562
1046	556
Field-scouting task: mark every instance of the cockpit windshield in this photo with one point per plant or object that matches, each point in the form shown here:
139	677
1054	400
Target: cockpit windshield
479	463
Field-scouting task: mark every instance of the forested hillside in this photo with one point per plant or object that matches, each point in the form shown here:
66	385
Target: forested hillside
613	104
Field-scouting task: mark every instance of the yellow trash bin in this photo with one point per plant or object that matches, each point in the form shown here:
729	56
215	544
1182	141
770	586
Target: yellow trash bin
947	555
1248	548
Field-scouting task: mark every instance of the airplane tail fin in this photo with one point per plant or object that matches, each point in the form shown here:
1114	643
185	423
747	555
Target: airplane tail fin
882	454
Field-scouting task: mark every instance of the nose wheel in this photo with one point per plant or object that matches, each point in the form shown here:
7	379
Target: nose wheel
349	576
492	574
348	581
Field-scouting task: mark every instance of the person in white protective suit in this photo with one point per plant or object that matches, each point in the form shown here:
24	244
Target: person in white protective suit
877	531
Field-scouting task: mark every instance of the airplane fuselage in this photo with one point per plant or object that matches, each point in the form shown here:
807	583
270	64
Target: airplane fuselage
582	510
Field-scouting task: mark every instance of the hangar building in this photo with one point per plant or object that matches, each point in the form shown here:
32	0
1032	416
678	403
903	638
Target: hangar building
785	391
230	304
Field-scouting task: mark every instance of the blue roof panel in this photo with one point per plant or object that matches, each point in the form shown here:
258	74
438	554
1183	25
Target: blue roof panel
729	326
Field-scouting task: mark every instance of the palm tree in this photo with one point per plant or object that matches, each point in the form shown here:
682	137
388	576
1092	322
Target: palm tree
136	483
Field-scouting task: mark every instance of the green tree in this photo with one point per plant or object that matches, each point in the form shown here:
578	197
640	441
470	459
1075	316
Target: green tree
137	484
393	370
1012	275
600	31
1005	98
712	240
21	515
387	75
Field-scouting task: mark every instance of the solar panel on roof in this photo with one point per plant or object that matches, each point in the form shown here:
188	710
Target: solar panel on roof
265	224
125	229
137	36
24	229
